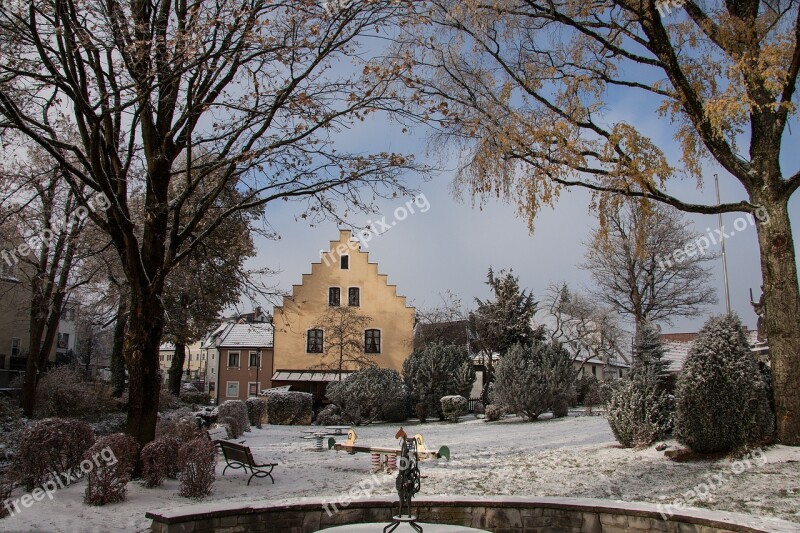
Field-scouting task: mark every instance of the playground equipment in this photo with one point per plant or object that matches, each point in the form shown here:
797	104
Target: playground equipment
385	457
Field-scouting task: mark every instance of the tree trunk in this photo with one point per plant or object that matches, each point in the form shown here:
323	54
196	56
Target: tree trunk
782	315
145	326
117	355
37	322
176	368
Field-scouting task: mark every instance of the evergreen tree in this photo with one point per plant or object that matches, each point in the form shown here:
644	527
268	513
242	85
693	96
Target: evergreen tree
640	409
533	379
435	372
498	325
722	399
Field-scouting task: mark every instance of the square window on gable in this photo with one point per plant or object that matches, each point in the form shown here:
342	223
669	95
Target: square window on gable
344	262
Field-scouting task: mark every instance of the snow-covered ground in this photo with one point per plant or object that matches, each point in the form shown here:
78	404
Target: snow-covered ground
575	457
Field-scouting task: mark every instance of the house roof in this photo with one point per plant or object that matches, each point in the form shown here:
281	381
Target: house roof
676	346
455	332
256	335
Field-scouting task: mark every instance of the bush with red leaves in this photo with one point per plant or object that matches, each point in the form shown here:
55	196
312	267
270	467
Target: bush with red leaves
51	446
158	461
113	459
197	459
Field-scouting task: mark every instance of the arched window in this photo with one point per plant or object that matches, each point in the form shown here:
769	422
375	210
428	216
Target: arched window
372	341
314	341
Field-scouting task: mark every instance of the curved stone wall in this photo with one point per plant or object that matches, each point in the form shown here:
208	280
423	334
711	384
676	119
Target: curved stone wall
496	514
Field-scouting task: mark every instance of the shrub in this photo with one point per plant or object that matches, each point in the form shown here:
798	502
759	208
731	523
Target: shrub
583	387
12	424
109	424
479	409
329	416
367	394
722	398
197	460
195	397
256	411
180	424
287	408
167	401
64	392
233	413
494	413
158	461
529	380
107	479
437	371
454	407
5	492
640	408
50	445
561	405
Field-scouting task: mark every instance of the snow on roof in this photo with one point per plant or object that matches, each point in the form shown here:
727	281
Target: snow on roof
247	336
676	346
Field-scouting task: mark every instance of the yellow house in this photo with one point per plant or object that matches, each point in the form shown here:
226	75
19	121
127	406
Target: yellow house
308	346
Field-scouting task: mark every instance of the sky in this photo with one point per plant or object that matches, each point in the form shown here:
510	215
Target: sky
451	245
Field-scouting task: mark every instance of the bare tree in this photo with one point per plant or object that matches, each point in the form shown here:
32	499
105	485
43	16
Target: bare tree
587	328
648	264
57	241
258	88
344	345
524	87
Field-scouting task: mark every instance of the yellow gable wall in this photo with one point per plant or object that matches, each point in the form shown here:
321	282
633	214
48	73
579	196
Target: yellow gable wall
309	301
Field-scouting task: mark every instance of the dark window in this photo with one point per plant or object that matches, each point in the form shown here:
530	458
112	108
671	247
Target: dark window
334	296
233	360
63	341
344	262
353	297
314	341
620	372
594	370
372	341
254	359
15	346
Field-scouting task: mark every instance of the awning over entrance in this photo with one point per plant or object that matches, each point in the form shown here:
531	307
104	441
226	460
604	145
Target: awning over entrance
318	376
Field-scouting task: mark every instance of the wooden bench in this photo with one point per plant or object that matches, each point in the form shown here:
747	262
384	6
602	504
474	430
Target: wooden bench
239	456
217	434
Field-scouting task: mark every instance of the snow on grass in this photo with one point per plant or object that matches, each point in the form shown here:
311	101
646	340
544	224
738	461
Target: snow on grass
575	457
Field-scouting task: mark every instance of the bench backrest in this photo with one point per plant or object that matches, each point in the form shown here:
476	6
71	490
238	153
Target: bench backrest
237	452
217	433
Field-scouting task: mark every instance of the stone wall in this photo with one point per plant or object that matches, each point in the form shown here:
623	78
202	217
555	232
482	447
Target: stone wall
496	514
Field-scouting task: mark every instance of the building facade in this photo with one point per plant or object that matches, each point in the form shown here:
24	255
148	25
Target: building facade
308	346
244	356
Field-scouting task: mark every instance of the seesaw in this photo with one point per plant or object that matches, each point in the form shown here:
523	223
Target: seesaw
385	456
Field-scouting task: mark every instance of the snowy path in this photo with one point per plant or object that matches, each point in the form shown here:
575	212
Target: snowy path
571	457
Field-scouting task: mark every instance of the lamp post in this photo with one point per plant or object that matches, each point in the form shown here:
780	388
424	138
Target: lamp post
258	369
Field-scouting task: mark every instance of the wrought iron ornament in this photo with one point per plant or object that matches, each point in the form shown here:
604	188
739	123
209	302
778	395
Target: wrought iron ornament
408	483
